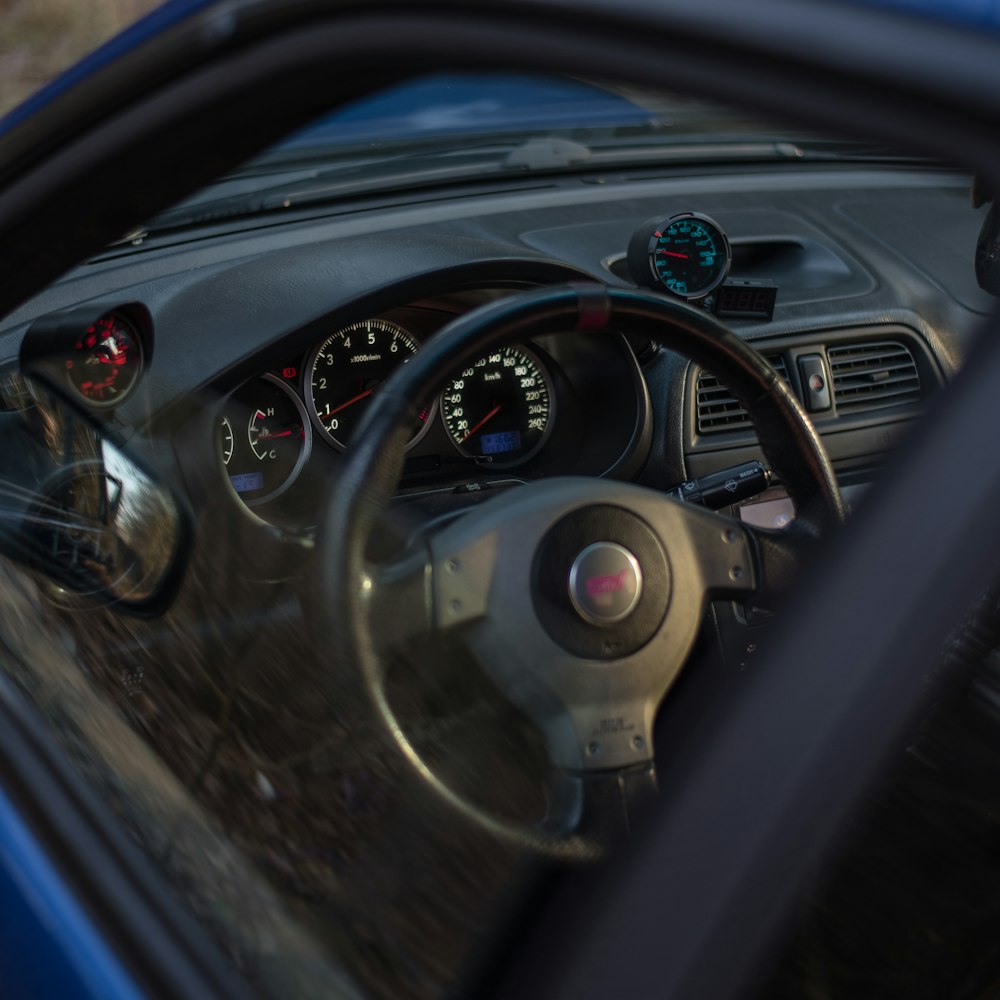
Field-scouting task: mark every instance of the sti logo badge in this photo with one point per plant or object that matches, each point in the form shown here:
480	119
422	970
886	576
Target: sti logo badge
602	588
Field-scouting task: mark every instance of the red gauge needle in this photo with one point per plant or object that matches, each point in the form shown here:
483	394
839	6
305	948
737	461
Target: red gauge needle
267	435
671	253
350	402
489	416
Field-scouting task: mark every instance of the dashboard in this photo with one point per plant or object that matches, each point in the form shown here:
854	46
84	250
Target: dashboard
246	354
237	361
554	406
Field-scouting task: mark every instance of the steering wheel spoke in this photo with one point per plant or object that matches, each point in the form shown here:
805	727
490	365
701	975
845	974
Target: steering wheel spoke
717	550
779	554
399	599
568	596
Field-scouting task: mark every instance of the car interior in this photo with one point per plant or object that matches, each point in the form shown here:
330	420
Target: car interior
443	502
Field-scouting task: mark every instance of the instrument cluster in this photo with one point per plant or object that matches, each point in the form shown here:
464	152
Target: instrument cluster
561	404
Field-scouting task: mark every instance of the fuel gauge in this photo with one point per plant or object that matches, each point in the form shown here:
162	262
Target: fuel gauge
226	440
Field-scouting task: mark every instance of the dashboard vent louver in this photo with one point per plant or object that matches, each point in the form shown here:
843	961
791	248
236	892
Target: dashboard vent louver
873	376
718	409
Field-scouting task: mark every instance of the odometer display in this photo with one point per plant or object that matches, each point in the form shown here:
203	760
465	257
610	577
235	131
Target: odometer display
347	368
499	409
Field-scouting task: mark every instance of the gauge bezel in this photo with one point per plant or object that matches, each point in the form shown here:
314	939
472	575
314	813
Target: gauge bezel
140	368
533	355
665	223
307	379
304	452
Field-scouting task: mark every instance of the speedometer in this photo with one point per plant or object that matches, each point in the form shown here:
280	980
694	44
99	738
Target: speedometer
500	408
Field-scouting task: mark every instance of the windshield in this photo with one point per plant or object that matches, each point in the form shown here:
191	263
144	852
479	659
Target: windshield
476	127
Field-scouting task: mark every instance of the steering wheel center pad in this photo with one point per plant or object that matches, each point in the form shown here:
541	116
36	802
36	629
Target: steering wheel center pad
600	582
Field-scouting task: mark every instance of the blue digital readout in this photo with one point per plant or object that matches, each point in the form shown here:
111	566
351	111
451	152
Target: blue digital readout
500	443
247	482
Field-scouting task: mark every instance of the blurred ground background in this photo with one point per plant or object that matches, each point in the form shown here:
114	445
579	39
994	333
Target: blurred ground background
40	38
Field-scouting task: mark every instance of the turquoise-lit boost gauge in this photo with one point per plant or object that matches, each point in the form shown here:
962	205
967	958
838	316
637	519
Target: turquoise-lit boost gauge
687	255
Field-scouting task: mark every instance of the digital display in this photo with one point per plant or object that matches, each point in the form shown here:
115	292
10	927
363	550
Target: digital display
746	301
499	443
247	482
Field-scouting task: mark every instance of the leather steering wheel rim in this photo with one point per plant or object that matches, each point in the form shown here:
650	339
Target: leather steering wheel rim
375	460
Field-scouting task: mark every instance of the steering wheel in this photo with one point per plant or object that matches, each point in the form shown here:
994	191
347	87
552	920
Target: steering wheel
581	598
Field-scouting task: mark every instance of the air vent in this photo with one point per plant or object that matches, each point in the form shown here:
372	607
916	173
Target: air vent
718	409
873	376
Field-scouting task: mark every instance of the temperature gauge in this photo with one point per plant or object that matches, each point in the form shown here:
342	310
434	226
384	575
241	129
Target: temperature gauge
264	439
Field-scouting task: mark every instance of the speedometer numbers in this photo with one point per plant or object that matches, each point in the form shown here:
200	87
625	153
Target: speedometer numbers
347	368
501	408
687	255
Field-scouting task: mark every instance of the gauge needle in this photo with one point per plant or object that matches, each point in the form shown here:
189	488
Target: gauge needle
351	401
671	253
267	435
489	416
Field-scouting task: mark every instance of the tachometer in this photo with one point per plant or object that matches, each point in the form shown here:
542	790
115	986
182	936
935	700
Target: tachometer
347	368
686	254
501	408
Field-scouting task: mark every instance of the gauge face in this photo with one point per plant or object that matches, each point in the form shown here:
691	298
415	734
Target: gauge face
501	408
226	440
347	368
267	438
105	362
687	254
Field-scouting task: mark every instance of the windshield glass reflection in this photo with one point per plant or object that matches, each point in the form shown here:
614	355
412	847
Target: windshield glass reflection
76	508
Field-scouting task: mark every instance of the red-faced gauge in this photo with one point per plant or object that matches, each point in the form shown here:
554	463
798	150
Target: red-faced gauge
105	362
